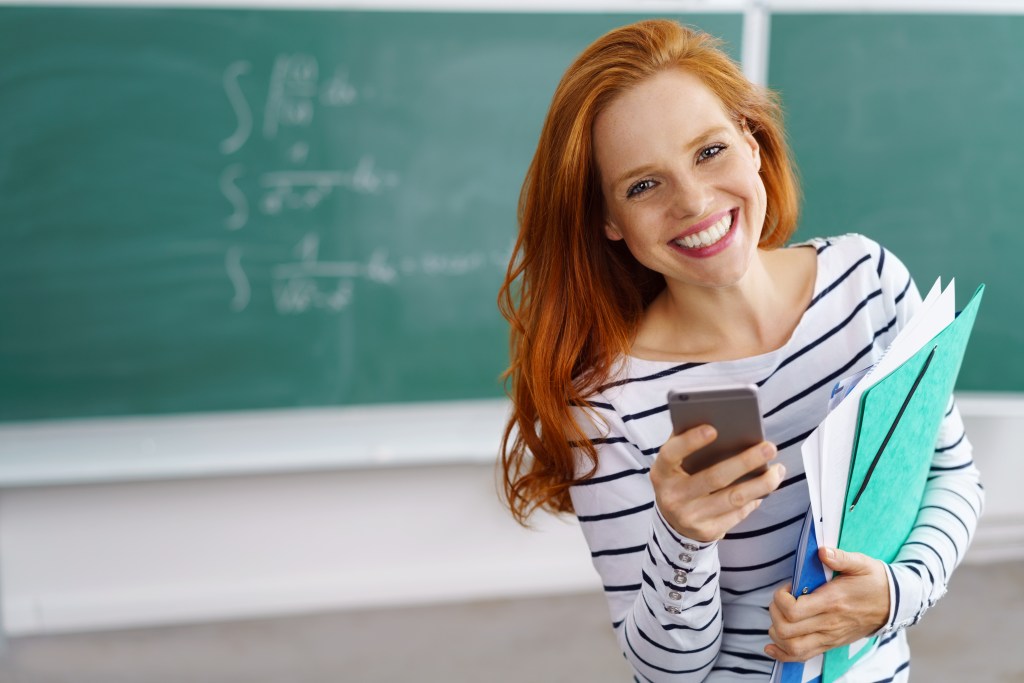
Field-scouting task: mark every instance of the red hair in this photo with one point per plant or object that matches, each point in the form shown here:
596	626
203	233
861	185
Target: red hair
566	294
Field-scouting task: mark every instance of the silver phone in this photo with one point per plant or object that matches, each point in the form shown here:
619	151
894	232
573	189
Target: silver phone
733	411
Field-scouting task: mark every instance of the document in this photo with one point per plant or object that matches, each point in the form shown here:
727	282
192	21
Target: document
867	463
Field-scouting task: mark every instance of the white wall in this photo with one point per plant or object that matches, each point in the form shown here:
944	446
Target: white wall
126	553
106	555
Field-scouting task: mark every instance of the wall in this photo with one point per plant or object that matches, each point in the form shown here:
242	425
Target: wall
105	555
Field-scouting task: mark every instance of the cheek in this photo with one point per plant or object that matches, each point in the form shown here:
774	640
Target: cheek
631	223
756	191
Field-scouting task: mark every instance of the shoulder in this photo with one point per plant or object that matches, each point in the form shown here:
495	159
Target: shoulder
615	398
860	257
852	247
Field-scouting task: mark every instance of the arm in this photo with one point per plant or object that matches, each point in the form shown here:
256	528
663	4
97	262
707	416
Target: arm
953	502
953	498
662	584
872	598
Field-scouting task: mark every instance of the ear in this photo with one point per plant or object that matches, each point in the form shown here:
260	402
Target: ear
749	138
611	231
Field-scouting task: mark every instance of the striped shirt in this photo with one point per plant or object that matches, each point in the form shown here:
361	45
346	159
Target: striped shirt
689	611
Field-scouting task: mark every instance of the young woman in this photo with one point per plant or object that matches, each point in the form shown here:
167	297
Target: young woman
650	258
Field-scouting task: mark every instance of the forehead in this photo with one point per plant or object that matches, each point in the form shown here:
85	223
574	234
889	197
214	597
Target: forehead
659	114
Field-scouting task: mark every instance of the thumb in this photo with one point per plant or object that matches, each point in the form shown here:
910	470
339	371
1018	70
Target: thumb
843	561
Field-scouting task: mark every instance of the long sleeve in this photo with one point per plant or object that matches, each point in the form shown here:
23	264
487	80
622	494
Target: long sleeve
953	502
662	589
953	499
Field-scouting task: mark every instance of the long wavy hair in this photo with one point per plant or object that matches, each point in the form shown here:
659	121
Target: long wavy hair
573	298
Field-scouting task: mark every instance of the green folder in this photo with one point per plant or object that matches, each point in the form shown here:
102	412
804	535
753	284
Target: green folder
897	425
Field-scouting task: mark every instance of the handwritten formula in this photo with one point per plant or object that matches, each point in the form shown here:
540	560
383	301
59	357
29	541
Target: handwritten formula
302	281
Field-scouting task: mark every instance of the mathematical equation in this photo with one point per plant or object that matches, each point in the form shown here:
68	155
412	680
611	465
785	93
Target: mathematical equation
310	283
301	282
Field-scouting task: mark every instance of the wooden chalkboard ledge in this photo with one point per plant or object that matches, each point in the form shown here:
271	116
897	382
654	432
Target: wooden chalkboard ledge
243	443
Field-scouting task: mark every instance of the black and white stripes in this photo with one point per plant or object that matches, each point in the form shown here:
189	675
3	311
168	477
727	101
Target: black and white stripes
684	611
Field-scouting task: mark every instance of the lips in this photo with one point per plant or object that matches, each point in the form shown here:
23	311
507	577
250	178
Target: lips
708	232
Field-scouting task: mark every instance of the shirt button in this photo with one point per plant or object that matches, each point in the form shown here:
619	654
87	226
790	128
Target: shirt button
672	609
684	557
689	546
675	595
679	579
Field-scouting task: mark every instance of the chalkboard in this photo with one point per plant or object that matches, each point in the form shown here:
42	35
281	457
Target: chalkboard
908	128
208	210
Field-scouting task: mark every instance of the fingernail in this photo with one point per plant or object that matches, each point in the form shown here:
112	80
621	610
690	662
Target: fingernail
782	470
707	431
768	449
830	553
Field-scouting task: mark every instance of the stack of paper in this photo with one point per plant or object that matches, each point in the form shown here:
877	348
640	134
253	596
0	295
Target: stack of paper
868	461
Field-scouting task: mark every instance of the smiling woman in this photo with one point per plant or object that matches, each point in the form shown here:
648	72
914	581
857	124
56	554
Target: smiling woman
650	258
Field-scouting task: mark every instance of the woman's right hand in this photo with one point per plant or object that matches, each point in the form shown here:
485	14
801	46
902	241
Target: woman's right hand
704	506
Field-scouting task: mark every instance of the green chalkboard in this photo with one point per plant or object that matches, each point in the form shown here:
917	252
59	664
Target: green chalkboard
205	210
908	128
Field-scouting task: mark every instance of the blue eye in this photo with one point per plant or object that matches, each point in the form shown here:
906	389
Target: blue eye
639	187
710	151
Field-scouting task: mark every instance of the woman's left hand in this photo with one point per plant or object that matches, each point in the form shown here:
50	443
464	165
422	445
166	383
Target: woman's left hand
853	605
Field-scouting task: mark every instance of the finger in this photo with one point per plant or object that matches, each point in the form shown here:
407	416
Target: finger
846	562
779	653
674	451
794	618
730	470
744	497
784	631
788	609
776	653
784	623
784	603
796	650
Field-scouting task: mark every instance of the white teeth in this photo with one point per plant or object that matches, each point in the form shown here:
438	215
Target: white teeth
708	236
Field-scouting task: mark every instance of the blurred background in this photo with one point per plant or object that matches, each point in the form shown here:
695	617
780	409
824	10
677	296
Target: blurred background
250	357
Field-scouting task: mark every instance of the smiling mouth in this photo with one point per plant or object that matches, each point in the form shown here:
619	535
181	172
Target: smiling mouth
708	236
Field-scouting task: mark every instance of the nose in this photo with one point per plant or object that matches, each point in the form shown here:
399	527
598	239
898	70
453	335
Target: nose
690	198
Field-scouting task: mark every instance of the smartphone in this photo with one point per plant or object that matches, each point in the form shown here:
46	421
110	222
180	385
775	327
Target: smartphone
733	411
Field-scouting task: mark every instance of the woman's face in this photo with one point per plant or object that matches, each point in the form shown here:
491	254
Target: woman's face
680	181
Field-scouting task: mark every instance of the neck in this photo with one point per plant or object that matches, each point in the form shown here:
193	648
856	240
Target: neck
719	323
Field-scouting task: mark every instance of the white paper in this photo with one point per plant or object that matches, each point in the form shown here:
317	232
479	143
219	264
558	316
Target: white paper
840	425
812	469
812	668
858	645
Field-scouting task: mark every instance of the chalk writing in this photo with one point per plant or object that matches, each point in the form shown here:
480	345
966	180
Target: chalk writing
308	282
297	295
240	205
293	86
240	105
338	91
301	280
307	189
311	283
236	274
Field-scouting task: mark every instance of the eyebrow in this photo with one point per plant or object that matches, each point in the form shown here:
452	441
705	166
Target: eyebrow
696	142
